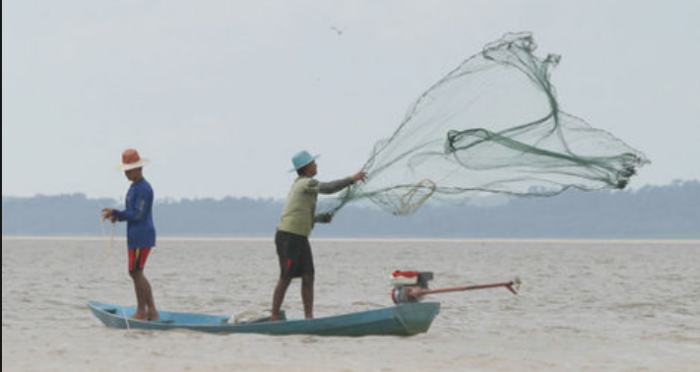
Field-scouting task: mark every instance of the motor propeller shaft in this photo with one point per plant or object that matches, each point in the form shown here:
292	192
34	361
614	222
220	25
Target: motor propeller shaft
403	292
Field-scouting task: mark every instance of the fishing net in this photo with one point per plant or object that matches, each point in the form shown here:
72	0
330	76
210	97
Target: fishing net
493	125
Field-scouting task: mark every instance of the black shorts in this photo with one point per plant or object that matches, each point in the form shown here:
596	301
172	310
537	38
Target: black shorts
294	253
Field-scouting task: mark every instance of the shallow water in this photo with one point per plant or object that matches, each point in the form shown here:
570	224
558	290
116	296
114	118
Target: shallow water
584	306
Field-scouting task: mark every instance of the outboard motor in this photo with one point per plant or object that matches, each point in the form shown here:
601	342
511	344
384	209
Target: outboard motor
407	285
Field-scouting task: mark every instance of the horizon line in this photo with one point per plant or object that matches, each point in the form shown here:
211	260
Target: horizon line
282	198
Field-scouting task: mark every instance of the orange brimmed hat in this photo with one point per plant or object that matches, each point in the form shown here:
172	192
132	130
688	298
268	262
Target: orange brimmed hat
131	160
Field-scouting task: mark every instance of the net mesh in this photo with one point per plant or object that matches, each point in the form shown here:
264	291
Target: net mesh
491	125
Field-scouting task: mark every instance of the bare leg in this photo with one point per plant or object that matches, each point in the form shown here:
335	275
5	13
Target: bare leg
144	295
307	295
140	300
278	297
151	311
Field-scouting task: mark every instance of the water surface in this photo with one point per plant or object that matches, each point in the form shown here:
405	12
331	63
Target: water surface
584	306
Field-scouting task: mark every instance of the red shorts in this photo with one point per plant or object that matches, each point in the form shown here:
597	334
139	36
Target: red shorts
137	258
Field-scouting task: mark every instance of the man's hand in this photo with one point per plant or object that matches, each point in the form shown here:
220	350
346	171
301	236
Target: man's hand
360	176
108	213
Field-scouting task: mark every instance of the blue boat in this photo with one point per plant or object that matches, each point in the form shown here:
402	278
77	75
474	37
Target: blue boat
404	319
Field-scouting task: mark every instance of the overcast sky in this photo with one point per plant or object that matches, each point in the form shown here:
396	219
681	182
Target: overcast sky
220	94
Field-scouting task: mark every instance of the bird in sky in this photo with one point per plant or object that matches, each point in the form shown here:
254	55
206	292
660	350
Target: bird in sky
337	30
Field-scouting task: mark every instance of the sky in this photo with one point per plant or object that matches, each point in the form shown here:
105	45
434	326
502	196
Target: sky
220	94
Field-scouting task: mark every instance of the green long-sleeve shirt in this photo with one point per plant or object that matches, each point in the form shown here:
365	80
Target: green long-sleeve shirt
298	215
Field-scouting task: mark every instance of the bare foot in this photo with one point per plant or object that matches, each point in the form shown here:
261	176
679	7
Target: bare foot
139	316
153	315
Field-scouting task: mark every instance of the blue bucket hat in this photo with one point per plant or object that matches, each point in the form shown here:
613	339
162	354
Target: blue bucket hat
302	159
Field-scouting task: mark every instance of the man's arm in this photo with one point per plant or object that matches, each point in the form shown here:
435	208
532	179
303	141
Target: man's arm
137	211
335	186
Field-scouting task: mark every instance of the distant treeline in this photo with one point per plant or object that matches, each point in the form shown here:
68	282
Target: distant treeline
653	212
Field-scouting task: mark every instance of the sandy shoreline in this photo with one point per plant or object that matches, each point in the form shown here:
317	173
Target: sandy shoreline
375	240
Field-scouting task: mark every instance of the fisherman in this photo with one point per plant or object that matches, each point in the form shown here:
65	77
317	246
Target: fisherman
141	234
294	228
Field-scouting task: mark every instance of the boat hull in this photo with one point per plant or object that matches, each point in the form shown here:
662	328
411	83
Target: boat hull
401	320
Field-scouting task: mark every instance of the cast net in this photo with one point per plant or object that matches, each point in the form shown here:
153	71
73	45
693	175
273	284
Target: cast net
492	125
